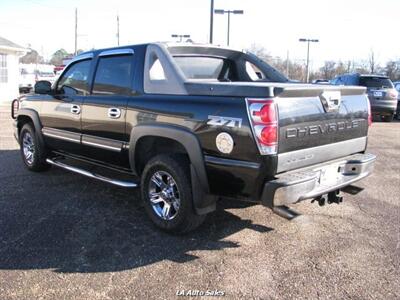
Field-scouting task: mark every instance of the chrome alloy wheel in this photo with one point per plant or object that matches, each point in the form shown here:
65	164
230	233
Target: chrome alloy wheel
164	195
28	148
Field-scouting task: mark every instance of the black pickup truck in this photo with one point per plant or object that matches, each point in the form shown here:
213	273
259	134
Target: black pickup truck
188	124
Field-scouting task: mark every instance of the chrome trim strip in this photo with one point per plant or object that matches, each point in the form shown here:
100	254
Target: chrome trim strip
102	146
306	157
117	52
62	135
81	57
230	162
121	183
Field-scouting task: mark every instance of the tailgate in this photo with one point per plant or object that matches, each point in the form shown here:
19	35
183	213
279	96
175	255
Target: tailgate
320	123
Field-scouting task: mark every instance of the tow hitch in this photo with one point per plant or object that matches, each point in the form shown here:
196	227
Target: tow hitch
332	197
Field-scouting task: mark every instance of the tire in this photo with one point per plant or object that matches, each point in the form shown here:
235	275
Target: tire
167	179
388	118
33	152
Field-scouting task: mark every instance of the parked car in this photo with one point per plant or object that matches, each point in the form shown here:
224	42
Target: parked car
190	124
397	87
381	92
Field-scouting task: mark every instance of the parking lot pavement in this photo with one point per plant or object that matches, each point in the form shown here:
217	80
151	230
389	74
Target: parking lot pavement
67	237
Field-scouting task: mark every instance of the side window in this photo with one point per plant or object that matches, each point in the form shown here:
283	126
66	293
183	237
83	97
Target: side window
254	72
75	80
156	71
114	76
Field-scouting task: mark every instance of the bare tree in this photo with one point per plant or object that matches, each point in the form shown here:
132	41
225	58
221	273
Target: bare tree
392	70
350	66
372	61
260	51
328	69
361	67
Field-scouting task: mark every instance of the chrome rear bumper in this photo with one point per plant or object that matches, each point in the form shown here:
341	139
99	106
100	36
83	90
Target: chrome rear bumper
311	182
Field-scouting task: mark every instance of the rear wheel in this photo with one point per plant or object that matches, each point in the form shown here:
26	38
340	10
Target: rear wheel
387	118
33	152
167	194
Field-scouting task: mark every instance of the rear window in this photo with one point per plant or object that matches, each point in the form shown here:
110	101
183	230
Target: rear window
198	67
376	82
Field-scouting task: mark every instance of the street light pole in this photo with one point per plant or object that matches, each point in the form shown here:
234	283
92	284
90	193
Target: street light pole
229	26
308	55
212	21
229	12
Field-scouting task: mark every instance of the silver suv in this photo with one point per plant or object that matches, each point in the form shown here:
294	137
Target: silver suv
381	92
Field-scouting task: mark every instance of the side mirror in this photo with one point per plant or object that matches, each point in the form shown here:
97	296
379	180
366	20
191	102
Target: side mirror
42	87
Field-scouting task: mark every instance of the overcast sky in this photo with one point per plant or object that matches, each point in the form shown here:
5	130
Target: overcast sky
347	29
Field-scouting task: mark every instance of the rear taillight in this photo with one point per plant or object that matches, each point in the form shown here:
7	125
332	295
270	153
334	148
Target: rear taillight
369	113
393	94
263	117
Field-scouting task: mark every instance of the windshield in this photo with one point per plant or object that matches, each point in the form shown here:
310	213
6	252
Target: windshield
376	82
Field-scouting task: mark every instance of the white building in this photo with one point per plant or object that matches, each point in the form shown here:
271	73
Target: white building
9	71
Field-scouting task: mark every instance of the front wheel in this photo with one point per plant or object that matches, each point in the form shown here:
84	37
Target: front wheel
167	194
33	152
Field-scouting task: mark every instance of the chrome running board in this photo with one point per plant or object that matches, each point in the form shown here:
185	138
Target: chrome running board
121	183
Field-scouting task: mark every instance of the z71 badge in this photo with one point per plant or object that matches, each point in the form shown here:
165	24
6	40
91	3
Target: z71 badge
224	121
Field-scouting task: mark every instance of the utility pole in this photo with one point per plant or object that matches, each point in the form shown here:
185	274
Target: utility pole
229	26
76	31
308	55
212	21
118	29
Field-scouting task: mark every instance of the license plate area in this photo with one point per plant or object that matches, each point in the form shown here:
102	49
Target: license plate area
329	175
378	94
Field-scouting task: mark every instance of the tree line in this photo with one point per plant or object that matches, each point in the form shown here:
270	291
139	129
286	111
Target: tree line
296	70
56	59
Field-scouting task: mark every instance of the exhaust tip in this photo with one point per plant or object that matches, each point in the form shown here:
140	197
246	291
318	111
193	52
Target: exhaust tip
285	212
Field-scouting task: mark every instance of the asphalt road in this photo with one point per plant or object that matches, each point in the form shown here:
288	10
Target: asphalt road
63	236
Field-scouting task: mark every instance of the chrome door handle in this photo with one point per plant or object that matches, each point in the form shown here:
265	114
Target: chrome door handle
75	109
114	113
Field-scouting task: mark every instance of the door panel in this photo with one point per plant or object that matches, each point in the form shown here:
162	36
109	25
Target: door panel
61	114
104	136
104	111
96	120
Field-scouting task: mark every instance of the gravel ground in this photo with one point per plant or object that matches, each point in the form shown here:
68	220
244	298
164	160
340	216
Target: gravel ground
67	237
